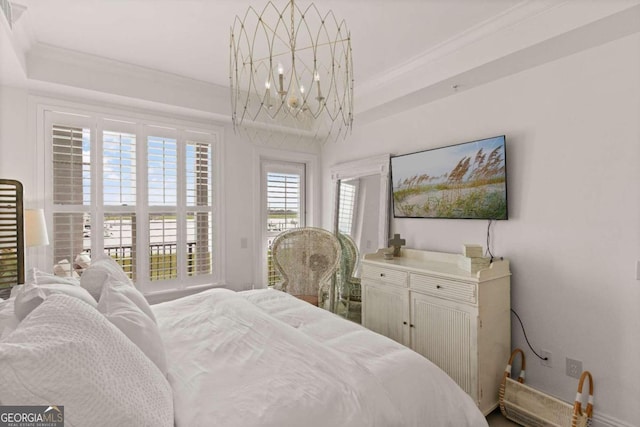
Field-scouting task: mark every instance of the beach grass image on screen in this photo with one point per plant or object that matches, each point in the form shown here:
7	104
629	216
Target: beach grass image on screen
465	181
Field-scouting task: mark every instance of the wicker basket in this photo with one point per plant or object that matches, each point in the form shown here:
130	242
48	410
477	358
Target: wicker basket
532	408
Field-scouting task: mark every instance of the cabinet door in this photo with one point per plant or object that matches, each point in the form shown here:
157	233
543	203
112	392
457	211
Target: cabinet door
385	310
442	334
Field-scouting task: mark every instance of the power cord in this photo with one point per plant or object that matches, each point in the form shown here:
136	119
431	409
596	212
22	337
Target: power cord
525	336
489	240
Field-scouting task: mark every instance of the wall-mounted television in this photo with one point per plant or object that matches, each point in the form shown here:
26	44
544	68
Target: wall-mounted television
463	181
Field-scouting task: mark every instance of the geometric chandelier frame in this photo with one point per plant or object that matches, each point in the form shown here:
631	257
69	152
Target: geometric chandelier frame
291	69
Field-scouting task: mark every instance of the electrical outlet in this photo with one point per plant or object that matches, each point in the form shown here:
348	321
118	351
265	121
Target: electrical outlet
546	354
574	368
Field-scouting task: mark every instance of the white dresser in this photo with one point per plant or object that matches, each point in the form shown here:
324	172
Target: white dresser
458	320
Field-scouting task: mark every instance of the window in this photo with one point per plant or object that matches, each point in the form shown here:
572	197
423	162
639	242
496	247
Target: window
347	203
149	202
283	188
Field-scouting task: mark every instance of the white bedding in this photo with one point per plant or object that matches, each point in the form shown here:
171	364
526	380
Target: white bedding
264	358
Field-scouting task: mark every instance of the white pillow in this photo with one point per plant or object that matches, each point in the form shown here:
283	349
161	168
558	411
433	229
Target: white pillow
133	322
38	277
132	293
100	270
68	353
32	296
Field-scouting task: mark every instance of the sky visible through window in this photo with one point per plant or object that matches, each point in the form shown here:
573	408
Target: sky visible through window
119	154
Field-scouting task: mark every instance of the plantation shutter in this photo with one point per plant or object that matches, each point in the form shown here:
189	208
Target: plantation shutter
199	186
71	166
141	193
11	234
119	192
71	193
119	168
285	206
283	201
162	164
347	204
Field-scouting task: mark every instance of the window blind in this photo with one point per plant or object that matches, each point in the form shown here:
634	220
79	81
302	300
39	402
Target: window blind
347	203
11	234
71	155
71	166
162	163
199	199
97	209
283	201
198	174
284	206
119	168
199	238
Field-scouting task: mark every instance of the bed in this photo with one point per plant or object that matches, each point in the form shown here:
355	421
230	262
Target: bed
216	358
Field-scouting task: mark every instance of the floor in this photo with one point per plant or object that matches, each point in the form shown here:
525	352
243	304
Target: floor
496	419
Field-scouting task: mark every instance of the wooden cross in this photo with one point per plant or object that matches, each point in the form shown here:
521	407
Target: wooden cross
396	242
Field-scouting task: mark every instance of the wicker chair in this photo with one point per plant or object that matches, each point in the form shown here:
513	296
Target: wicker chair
305	258
350	291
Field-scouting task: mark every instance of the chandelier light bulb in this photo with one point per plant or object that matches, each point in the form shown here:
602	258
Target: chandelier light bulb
293	103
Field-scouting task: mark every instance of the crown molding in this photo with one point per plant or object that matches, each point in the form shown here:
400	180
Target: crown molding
527	24
58	66
42	53
490	26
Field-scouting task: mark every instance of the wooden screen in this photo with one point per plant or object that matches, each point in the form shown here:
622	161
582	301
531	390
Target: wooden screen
11	235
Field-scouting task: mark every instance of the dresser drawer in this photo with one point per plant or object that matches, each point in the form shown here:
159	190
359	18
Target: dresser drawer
386	275
444	288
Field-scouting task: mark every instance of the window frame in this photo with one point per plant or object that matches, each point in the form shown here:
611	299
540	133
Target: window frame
313	195
143	125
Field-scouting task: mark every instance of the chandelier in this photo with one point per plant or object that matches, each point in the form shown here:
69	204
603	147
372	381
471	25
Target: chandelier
291	70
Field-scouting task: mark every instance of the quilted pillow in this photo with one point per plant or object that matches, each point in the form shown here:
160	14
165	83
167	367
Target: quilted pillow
31	296
101	270
66	352
133	322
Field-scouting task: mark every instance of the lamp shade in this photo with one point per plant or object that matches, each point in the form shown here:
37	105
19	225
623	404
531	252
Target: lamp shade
35	228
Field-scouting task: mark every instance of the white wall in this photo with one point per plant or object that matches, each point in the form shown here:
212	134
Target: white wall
16	151
573	236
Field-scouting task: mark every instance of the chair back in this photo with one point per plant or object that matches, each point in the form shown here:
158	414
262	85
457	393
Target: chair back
349	259
305	258
348	284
